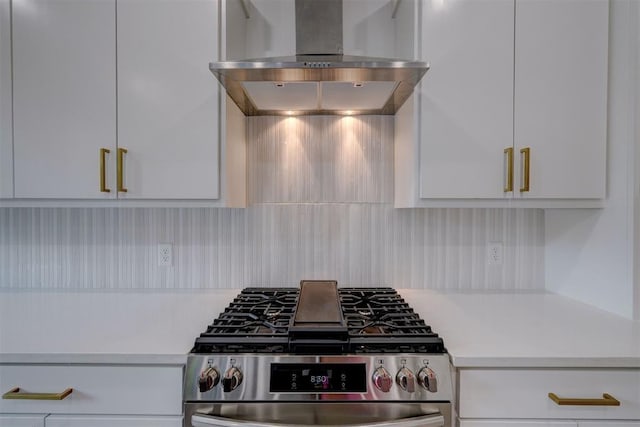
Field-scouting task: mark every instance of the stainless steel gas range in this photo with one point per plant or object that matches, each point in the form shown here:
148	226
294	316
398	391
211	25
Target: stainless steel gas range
318	355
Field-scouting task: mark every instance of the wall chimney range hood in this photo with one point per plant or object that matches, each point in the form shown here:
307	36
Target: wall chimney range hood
319	80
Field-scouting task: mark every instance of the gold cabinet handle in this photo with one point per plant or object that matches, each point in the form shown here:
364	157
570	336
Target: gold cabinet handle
607	400
525	153
103	176
509	152
15	393
119	167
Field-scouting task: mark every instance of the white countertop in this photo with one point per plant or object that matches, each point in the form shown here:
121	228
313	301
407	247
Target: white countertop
479	330
527	330
122	327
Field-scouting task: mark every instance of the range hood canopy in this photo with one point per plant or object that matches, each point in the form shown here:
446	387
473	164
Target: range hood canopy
319	79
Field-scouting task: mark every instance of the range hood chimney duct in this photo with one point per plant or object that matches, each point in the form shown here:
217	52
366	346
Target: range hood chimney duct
319	27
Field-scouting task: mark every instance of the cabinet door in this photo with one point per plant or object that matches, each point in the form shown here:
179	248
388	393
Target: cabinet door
561	96
152	390
6	137
516	423
10	420
168	100
111	421
609	423
64	96
501	394
466	98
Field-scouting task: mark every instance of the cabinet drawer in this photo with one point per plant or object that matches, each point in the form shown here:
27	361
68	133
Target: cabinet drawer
11	420
523	393
516	423
111	421
609	424
96	389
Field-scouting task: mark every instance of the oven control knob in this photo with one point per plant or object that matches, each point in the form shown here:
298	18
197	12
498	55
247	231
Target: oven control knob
406	380
232	379
382	380
209	378
427	379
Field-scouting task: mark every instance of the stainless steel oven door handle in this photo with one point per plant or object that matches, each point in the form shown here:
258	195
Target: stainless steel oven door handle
213	421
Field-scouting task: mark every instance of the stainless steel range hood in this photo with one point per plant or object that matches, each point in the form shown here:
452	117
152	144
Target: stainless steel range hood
319	79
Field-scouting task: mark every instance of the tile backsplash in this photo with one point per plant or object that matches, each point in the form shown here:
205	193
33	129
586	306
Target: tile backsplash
321	192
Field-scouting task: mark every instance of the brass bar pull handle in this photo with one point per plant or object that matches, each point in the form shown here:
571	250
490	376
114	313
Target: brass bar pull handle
119	167
509	152
526	154
15	393
103	176
607	400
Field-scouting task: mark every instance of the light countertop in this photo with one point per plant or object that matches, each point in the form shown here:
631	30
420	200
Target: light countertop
479	330
527	330
122	327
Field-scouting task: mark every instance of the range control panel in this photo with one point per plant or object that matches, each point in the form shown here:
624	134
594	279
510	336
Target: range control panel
318	378
410	377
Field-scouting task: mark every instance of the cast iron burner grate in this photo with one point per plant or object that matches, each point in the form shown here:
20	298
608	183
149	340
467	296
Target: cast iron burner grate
256	321
378	320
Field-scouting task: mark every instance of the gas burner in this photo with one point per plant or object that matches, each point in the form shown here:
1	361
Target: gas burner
273	314
263	320
249	323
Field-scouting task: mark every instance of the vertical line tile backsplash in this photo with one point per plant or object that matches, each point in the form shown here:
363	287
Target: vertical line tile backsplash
321	159
321	191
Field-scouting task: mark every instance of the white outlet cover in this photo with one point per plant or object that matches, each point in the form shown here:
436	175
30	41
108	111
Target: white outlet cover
495	253
165	255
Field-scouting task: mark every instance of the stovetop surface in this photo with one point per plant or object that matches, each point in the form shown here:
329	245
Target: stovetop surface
374	320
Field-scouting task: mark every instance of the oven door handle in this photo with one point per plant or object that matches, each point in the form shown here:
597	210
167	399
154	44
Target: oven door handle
213	421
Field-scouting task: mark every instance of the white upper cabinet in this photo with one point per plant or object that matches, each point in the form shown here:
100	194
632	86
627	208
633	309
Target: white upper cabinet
168	100
513	107
561	96
115	100
466	102
64	93
6	133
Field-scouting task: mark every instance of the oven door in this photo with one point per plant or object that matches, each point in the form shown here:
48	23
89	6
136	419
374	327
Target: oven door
209	421
289	414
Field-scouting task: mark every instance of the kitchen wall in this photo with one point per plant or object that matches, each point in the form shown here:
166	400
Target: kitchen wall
590	253
321	193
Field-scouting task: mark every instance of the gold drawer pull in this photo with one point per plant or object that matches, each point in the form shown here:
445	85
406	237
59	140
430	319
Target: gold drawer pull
607	400
16	394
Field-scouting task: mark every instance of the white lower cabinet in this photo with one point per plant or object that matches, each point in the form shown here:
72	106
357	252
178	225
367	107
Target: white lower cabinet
111	421
14	420
522	397
72	395
516	423
609	424
546	423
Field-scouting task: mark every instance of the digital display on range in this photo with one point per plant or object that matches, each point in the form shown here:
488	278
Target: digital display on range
318	378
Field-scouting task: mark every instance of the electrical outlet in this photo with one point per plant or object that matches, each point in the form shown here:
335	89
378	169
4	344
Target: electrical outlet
165	255
494	253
